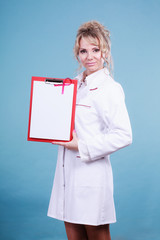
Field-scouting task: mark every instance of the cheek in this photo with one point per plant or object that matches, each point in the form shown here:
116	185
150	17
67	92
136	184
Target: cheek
82	58
100	59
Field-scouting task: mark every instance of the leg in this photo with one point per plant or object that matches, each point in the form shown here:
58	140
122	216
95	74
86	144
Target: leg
98	232
75	231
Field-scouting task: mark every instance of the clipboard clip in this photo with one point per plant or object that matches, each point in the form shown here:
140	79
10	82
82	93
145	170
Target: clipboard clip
59	82
53	81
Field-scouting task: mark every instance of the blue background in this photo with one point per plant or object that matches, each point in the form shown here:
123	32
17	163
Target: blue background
37	38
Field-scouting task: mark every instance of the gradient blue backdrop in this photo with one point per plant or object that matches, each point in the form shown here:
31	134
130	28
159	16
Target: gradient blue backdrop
37	37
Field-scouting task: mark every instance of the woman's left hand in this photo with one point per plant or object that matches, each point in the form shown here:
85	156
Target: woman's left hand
72	145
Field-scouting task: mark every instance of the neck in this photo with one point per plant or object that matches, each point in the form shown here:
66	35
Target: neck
84	76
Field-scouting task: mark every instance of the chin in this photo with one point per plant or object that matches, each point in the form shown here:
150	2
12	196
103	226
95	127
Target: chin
93	69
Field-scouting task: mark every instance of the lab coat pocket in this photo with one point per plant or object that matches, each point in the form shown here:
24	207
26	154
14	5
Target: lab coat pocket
90	174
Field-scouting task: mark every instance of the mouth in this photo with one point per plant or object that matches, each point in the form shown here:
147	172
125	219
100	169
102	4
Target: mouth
91	64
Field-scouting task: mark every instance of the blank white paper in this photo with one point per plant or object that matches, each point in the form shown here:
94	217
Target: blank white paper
51	111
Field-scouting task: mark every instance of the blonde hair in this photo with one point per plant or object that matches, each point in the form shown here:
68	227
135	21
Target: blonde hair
94	31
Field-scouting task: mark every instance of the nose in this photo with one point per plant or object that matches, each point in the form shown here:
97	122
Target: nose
89	56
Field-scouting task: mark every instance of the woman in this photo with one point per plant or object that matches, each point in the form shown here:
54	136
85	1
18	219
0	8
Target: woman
82	194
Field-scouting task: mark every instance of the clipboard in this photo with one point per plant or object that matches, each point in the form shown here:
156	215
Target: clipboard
52	109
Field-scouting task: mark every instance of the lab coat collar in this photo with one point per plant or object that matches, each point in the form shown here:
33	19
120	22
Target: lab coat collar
93	80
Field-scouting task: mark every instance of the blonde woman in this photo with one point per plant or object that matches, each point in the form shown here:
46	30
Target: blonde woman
82	194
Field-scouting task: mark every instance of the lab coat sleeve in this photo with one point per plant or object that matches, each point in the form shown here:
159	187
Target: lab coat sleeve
117	131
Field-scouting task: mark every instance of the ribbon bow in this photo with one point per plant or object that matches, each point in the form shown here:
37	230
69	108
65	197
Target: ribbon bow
66	82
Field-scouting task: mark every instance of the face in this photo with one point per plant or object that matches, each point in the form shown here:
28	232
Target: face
90	56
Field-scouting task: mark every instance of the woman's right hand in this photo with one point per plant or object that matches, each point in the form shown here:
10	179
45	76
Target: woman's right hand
72	145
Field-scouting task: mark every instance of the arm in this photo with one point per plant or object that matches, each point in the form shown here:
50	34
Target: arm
117	133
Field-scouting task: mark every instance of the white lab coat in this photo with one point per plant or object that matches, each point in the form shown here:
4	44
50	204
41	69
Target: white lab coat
83	183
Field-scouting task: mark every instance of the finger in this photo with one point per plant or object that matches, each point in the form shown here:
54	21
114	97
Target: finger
74	134
59	143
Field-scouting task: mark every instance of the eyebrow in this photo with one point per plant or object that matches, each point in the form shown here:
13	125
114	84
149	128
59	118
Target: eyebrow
94	46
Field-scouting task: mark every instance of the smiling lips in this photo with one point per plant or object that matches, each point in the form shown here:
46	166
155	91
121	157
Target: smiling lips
91	63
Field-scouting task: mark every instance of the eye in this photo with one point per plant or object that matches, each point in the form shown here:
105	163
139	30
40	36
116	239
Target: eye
83	51
96	50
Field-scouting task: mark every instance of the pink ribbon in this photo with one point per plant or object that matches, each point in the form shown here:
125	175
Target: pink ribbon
66	82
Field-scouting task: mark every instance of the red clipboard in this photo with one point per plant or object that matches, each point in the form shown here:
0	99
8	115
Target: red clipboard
52	109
